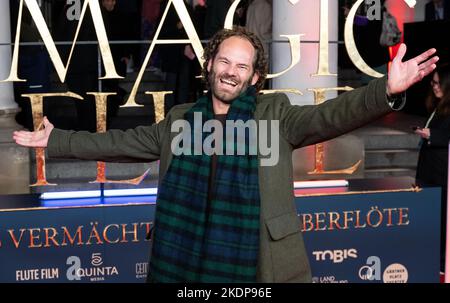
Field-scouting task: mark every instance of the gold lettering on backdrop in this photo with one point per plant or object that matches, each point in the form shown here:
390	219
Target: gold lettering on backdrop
101	100
35	237
357	223
294	43
42	27
180	7
323	69
350	44
334	221
51	237
105	232
90	234
94	234
230	15
78	234
389	210
37	110
16	241
320	221
101	105
348	217
13	77
281	90
148	227
404	216
194	40
319	169
374	217
158	102
134	232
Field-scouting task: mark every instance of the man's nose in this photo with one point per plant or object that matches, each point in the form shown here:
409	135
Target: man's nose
231	70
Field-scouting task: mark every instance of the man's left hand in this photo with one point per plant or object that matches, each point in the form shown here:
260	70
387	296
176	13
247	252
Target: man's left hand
403	75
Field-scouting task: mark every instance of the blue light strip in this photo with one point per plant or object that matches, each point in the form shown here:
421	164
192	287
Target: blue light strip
97	193
153	191
131	192
320	183
70	195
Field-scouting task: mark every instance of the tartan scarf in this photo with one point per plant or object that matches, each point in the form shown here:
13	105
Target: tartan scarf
197	239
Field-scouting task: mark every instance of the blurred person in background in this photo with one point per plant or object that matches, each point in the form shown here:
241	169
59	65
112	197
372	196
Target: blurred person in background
432	165
121	55
437	10
259	21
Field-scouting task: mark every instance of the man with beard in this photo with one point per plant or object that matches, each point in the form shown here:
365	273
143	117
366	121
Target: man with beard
226	218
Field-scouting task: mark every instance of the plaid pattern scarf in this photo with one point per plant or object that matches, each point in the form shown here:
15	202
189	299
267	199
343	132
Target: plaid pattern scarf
200	240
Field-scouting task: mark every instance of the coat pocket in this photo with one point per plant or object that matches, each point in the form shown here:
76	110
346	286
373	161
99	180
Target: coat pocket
289	257
282	226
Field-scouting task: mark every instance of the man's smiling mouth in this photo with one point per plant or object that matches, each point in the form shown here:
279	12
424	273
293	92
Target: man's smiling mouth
228	82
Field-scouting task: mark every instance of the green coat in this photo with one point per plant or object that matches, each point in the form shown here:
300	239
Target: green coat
282	256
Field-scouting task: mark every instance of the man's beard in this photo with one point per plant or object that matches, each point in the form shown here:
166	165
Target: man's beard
224	96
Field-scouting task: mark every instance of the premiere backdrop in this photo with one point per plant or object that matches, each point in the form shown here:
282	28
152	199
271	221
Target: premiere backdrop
360	238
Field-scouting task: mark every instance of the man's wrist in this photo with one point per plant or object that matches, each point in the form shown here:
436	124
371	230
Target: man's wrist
396	101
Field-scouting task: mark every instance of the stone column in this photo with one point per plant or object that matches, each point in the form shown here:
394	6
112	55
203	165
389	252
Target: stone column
292	17
6	89
14	164
303	17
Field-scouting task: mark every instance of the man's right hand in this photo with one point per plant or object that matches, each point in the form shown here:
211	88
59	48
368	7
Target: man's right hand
38	138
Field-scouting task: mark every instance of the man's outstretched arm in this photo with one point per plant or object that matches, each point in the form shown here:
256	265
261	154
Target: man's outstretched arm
141	144
305	125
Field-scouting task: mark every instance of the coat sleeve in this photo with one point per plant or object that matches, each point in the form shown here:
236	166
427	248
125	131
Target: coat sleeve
142	144
310	124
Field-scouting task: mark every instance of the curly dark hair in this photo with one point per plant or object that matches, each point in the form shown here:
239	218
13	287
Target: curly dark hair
260	65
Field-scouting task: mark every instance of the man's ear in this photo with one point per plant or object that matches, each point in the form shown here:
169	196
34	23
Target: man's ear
255	78
208	68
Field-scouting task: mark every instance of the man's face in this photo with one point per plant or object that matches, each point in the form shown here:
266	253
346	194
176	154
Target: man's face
109	4
231	70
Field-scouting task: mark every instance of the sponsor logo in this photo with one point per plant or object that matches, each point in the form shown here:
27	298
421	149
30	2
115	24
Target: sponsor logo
395	273
327	279
141	270
337	255
31	275
96	273
97	259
